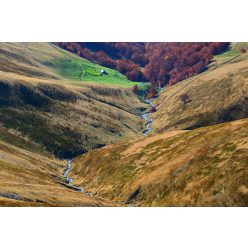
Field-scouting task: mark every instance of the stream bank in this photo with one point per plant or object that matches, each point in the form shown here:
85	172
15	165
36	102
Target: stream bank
69	180
147	117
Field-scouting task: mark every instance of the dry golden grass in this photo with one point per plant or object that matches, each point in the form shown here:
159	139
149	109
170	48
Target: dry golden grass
204	167
43	113
67	117
218	95
32	178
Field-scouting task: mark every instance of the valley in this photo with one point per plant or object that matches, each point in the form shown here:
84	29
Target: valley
76	133
203	167
217	95
65	115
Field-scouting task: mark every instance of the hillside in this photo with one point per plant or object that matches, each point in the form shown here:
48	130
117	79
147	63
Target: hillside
203	167
56	105
217	95
30	176
160	63
47	97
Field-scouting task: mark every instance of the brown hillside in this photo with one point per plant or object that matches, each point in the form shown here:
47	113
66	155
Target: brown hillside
218	95
204	167
67	117
29	176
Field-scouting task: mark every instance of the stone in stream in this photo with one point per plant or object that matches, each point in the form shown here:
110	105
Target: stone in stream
147	117
69	180
149	123
81	189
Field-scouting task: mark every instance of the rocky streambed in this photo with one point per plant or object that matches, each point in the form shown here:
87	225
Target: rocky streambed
69	180
147	117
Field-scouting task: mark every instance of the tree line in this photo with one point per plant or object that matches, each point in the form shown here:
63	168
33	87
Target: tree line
161	63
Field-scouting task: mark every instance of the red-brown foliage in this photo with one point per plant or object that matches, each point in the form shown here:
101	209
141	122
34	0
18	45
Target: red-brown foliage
164	63
184	98
243	50
135	89
173	62
152	92
153	109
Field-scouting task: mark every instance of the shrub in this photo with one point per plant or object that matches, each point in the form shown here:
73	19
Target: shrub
243	50
135	89
184	98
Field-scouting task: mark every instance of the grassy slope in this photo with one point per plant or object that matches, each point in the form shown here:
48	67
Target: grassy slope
231	53
46	61
64	115
82	70
204	167
31	175
220	94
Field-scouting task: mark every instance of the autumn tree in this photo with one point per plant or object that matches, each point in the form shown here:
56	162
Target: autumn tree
135	89
163	62
152	92
184	98
243	50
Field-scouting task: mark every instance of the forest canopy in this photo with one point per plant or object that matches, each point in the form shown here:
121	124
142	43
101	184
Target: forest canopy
161	63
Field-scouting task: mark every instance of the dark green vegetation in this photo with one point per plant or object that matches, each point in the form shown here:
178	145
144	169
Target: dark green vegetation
61	120
66	117
50	109
30	176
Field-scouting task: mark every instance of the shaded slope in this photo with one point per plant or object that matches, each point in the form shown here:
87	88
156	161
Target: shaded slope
204	167
67	117
29	176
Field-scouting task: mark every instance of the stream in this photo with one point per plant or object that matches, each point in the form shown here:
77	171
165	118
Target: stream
147	117
69	180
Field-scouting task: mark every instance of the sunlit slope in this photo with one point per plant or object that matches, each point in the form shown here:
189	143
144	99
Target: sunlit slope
29	176
46	61
66	116
204	167
217	95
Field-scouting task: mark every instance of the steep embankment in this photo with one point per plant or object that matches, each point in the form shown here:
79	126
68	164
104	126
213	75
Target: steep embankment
217	95
203	167
45	97
30	176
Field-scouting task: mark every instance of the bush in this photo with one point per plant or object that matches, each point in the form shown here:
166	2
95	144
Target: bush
184	98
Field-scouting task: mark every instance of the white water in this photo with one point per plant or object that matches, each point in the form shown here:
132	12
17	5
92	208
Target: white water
69	180
149	122
67	170
148	118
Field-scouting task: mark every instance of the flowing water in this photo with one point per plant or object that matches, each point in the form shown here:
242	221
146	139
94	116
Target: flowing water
147	117
149	121
69	180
